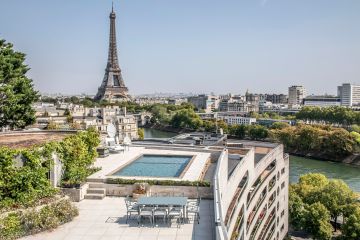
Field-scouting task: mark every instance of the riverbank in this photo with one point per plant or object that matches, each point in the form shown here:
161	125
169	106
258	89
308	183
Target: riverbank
302	165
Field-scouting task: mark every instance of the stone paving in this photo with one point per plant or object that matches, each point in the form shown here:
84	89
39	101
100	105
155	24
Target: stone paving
105	220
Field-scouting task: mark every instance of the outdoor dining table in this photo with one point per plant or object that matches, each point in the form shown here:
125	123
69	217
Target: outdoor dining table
164	201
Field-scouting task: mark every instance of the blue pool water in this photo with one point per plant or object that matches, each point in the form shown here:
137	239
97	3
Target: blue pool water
155	166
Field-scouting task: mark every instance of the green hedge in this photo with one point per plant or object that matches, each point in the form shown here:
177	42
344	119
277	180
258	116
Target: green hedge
159	182
28	222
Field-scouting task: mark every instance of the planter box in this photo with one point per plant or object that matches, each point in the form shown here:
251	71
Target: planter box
76	194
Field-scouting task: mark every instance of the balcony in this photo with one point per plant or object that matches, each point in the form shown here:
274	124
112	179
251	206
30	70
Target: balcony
259	181
235	201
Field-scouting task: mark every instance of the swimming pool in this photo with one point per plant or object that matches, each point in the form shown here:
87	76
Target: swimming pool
149	165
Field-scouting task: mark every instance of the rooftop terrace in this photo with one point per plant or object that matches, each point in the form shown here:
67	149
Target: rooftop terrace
100	220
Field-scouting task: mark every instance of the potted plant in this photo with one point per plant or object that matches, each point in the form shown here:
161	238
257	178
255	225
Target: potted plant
140	190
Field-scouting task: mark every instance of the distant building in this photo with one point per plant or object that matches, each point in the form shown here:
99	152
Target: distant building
231	120
233	106
296	95
349	94
205	102
277	98
322	101
126	126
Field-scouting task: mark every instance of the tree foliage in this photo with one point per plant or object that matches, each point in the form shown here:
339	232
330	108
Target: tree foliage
186	118
16	90
315	200
329	115
315	139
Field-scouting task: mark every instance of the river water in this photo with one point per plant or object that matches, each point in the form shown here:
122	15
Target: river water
299	165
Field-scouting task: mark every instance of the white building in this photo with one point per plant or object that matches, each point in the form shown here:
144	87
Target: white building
322	101
251	202
349	94
234	120
296	95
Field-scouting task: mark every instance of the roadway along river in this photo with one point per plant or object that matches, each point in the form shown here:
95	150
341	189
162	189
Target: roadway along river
299	165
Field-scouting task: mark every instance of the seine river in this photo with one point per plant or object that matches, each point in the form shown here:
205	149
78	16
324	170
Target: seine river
299	165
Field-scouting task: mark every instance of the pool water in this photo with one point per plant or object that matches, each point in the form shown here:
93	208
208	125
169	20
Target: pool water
155	166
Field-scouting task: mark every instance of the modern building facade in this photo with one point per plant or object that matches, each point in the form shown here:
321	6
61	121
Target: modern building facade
296	95
112	87
251	193
349	94
234	120
322	101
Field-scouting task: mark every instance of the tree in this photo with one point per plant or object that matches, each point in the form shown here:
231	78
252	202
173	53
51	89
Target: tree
316	221
238	131
186	118
279	125
315	200
335	195
257	132
351	228
16	90
141	133
67	112
52	126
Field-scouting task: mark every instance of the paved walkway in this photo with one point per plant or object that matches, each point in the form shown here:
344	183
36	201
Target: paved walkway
105	220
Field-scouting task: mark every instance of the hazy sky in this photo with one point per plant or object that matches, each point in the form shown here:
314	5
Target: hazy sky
188	45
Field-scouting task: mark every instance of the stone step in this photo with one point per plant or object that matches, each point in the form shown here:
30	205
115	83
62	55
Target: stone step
94	196
95	185
96	190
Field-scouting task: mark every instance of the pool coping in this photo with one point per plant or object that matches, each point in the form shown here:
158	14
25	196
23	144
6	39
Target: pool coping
162	177
113	162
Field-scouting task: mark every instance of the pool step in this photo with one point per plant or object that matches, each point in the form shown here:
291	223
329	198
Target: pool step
97	196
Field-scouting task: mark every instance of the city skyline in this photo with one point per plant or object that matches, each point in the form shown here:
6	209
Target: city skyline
246	45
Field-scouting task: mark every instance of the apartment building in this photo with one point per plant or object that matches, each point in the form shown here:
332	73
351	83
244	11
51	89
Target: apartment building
349	94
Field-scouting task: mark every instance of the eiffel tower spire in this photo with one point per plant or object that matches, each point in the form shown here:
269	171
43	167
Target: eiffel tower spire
113	87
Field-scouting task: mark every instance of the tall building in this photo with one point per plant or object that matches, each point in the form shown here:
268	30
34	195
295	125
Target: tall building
296	95
349	94
113	87
204	102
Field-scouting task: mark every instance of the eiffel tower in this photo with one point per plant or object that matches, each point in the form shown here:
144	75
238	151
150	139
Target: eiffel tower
112	87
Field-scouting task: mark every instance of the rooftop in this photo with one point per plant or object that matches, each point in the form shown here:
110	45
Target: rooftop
106	220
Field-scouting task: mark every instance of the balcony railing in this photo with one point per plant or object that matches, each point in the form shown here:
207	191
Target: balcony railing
258	185
267	224
235	201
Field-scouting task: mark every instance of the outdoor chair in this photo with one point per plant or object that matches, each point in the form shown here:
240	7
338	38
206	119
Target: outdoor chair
160	212
175	212
132	208
145	212
194	210
194	202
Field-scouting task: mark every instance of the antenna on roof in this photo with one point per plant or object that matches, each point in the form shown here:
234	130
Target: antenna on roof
112	6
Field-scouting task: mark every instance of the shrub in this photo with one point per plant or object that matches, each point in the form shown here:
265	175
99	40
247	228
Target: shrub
11	227
31	221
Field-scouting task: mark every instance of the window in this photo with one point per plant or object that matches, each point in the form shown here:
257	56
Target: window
282	213
282	171
282	185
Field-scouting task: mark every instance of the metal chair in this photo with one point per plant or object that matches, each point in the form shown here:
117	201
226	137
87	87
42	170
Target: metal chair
145	212
195	210
160	212
132	208
175	212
